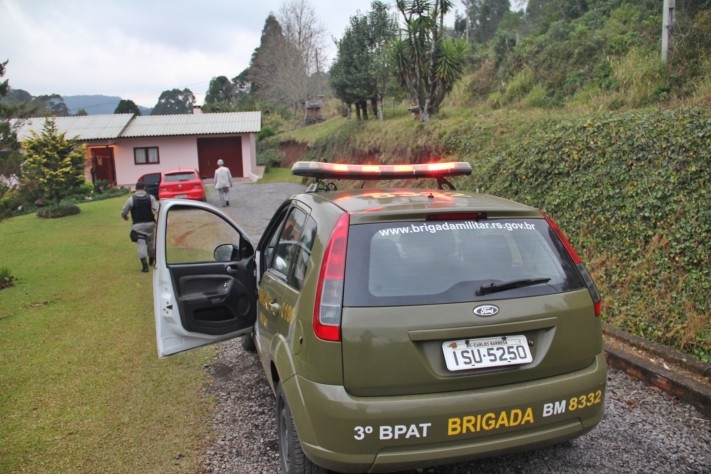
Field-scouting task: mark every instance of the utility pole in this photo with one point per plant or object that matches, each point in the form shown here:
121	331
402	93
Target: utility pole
667	23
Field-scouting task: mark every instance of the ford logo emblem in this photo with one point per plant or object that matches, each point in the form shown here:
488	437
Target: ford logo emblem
486	310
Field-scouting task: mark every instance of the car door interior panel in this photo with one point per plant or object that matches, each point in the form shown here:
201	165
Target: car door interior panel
213	298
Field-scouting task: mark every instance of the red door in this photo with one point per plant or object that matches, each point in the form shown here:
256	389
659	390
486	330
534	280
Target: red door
229	149
102	165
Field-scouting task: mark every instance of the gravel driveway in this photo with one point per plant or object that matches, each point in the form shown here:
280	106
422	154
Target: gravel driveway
644	429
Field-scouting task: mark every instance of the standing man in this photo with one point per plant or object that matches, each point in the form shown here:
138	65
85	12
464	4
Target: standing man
143	208
223	182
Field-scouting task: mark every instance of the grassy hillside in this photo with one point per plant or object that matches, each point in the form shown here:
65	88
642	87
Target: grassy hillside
579	115
632	190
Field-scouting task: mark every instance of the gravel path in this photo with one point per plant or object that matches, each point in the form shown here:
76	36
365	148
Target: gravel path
644	429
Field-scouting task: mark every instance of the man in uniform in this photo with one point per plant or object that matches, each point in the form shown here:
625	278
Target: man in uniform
143	208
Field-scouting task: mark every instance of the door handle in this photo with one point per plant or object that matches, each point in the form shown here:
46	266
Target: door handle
274	307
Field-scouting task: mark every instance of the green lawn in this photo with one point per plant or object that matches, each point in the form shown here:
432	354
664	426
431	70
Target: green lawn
81	387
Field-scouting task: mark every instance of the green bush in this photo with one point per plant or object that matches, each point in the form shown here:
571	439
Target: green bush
84	190
10	204
7	279
266	132
268	155
62	210
537	97
101	185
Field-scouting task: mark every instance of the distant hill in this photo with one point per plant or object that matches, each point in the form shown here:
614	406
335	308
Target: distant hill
96	104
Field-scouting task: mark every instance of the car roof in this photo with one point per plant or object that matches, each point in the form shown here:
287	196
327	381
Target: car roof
184	170
412	200
153	174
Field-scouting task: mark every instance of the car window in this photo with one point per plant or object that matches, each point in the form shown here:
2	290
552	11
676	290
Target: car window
175	177
192	235
151	178
303	254
288	250
440	262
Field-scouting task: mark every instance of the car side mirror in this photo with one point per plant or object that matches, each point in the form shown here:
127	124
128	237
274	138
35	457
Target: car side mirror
226	253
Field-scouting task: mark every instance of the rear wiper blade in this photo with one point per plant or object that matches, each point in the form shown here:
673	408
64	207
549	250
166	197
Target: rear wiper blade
510	285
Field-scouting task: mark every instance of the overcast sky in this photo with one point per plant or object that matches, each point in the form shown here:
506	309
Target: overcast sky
136	49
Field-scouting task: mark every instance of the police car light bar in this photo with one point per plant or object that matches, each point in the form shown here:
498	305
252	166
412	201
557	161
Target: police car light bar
317	170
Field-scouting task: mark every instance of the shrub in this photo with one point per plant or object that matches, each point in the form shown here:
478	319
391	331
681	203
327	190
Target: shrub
7	279
537	98
640	76
10	204
519	86
62	210
101	185
84	190
266	132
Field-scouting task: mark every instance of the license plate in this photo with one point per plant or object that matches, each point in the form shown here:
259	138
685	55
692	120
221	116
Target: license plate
181	196
481	353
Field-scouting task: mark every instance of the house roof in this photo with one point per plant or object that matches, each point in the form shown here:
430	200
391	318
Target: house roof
198	124
104	127
87	127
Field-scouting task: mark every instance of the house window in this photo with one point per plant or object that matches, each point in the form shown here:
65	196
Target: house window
146	155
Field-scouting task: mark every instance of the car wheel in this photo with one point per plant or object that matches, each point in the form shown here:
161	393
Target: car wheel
292	457
248	343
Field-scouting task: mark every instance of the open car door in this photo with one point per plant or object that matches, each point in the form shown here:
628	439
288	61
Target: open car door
204	284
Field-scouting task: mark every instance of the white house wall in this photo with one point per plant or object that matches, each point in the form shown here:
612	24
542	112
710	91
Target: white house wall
249	156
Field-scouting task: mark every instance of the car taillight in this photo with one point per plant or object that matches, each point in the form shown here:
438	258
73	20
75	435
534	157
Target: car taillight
589	283
329	292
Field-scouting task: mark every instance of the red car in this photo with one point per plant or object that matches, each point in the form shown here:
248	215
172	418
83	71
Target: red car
181	184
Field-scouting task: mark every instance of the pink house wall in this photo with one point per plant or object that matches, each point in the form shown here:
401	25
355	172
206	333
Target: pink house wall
174	153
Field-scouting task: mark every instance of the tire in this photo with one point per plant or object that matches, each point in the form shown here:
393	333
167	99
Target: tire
291	456
248	343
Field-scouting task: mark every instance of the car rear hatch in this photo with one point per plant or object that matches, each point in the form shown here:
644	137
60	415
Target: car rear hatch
180	182
152	182
450	302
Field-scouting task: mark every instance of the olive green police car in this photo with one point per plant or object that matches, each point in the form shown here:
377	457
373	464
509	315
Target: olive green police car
398	328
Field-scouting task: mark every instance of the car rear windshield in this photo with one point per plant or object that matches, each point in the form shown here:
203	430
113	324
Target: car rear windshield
151	178
434	262
175	177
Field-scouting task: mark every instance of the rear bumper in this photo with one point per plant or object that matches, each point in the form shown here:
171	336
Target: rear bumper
194	195
380	434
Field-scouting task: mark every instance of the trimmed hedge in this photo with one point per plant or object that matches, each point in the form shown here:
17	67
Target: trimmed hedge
633	192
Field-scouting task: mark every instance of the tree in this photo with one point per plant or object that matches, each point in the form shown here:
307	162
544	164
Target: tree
126	106
175	102
287	67
541	13
483	18
244	99
10	156
267	74
428	65
306	36
54	164
362	69
351	77
220	95
52	104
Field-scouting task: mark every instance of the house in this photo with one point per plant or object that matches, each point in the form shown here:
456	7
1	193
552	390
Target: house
122	147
